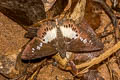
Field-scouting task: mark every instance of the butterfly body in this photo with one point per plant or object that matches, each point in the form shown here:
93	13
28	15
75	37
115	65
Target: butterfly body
66	36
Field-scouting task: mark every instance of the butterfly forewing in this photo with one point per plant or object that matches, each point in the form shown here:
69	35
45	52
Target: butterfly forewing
47	32
80	39
37	49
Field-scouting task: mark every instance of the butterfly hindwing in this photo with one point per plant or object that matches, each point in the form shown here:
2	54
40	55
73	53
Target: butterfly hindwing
37	49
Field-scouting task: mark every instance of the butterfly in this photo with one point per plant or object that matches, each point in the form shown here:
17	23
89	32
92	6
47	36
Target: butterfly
61	36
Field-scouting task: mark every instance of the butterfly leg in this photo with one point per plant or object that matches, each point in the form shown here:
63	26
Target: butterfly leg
73	66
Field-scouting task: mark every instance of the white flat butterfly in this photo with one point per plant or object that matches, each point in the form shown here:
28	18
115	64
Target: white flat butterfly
64	37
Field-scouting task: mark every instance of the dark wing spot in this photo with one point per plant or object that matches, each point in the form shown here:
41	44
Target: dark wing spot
69	25
65	26
45	29
43	39
44	33
42	36
76	34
